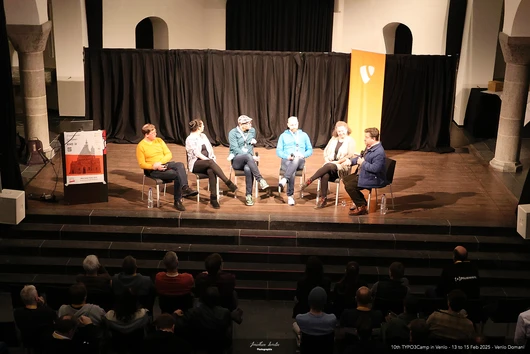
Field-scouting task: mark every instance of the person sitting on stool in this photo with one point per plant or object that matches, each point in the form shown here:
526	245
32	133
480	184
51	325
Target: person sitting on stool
154	157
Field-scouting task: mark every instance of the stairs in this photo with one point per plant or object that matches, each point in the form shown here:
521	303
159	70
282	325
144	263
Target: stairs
267	254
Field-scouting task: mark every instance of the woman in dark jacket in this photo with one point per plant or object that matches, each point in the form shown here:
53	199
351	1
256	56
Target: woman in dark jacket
313	277
344	291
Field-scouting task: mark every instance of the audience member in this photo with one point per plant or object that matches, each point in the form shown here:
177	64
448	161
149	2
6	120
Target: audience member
96	277
154	158
419	332
163	340
522	330
462	274
293	148
34	320
365	342
389	293
315	322
78	306
215	276
207	320
172	282
69	337
396	330
129	279
452	324
313	277
345	289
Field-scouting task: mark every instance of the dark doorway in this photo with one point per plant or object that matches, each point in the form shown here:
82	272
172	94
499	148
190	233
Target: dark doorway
403	43
144	34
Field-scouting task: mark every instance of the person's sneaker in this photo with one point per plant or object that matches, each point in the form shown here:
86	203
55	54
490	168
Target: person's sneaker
188	192
179	206
282	184
290	200
307	184
263	184
250	200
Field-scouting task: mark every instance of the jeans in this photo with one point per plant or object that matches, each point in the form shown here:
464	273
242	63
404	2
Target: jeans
290	167
246	163
175	171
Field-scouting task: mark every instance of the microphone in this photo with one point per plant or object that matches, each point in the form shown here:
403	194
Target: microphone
362	153
257	160
292	155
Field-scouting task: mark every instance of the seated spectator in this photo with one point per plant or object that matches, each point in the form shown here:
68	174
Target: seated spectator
128	316
172	282
96	277
395	288
315	322
313	277
522	330
129	279
365	342
396	330
351	317
419	332
452	324
345	289
163	340
207	320
215	276
35	320
68	338
78	306
462	274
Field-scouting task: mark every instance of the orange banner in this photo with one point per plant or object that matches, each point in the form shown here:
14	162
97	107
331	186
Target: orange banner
365	104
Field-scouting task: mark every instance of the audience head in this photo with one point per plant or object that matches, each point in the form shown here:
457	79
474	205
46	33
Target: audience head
314	269
196	125
341	129
126	306
317	299
66	326
459	254
371	136
29	295
396	271
213	264
171	261
77	294
165	322
210	297
456	300
363	296
91	264
419	331
292	123
129	265
411	305
148	128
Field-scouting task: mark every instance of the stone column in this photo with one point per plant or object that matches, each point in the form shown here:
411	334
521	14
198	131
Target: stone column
516	52
30	42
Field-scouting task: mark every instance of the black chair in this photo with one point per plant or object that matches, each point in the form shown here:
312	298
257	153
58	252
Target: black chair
390	167
324	344
158	183
168	304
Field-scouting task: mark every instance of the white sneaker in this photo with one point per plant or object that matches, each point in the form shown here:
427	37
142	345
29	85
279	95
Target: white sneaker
263	184
282	184
290	200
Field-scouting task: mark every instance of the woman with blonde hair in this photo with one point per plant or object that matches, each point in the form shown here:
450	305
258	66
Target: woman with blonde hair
340	148
201	159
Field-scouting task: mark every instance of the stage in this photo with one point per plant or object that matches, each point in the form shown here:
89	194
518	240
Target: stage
456	189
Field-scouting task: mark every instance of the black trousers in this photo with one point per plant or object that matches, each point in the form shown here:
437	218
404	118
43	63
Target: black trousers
326	173
213	170
353	190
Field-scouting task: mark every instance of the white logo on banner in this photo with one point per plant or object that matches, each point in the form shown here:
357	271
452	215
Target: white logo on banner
367	73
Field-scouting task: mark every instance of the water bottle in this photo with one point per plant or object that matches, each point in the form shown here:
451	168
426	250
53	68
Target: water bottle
383	209
150	198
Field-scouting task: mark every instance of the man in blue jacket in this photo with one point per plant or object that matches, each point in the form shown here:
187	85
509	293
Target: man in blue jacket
242	140
293	148
370	172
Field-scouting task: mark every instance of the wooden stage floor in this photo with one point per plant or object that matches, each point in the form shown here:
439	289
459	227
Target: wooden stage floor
429	187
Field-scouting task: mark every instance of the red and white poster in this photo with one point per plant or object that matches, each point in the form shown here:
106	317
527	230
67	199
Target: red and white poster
84	157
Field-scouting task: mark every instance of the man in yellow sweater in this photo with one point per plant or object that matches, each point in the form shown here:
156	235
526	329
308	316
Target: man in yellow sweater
154	157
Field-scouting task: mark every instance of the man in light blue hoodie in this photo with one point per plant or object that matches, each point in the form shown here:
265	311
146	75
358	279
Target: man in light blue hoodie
293	148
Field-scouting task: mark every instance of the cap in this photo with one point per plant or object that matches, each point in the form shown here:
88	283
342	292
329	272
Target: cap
317	298
243	119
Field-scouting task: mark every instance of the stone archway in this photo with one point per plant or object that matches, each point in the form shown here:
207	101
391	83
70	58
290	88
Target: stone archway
152	33
398	38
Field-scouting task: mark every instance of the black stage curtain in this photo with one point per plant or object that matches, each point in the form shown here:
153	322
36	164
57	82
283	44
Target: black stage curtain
417	102
9	168
94	23
455	26
279	25
128	88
